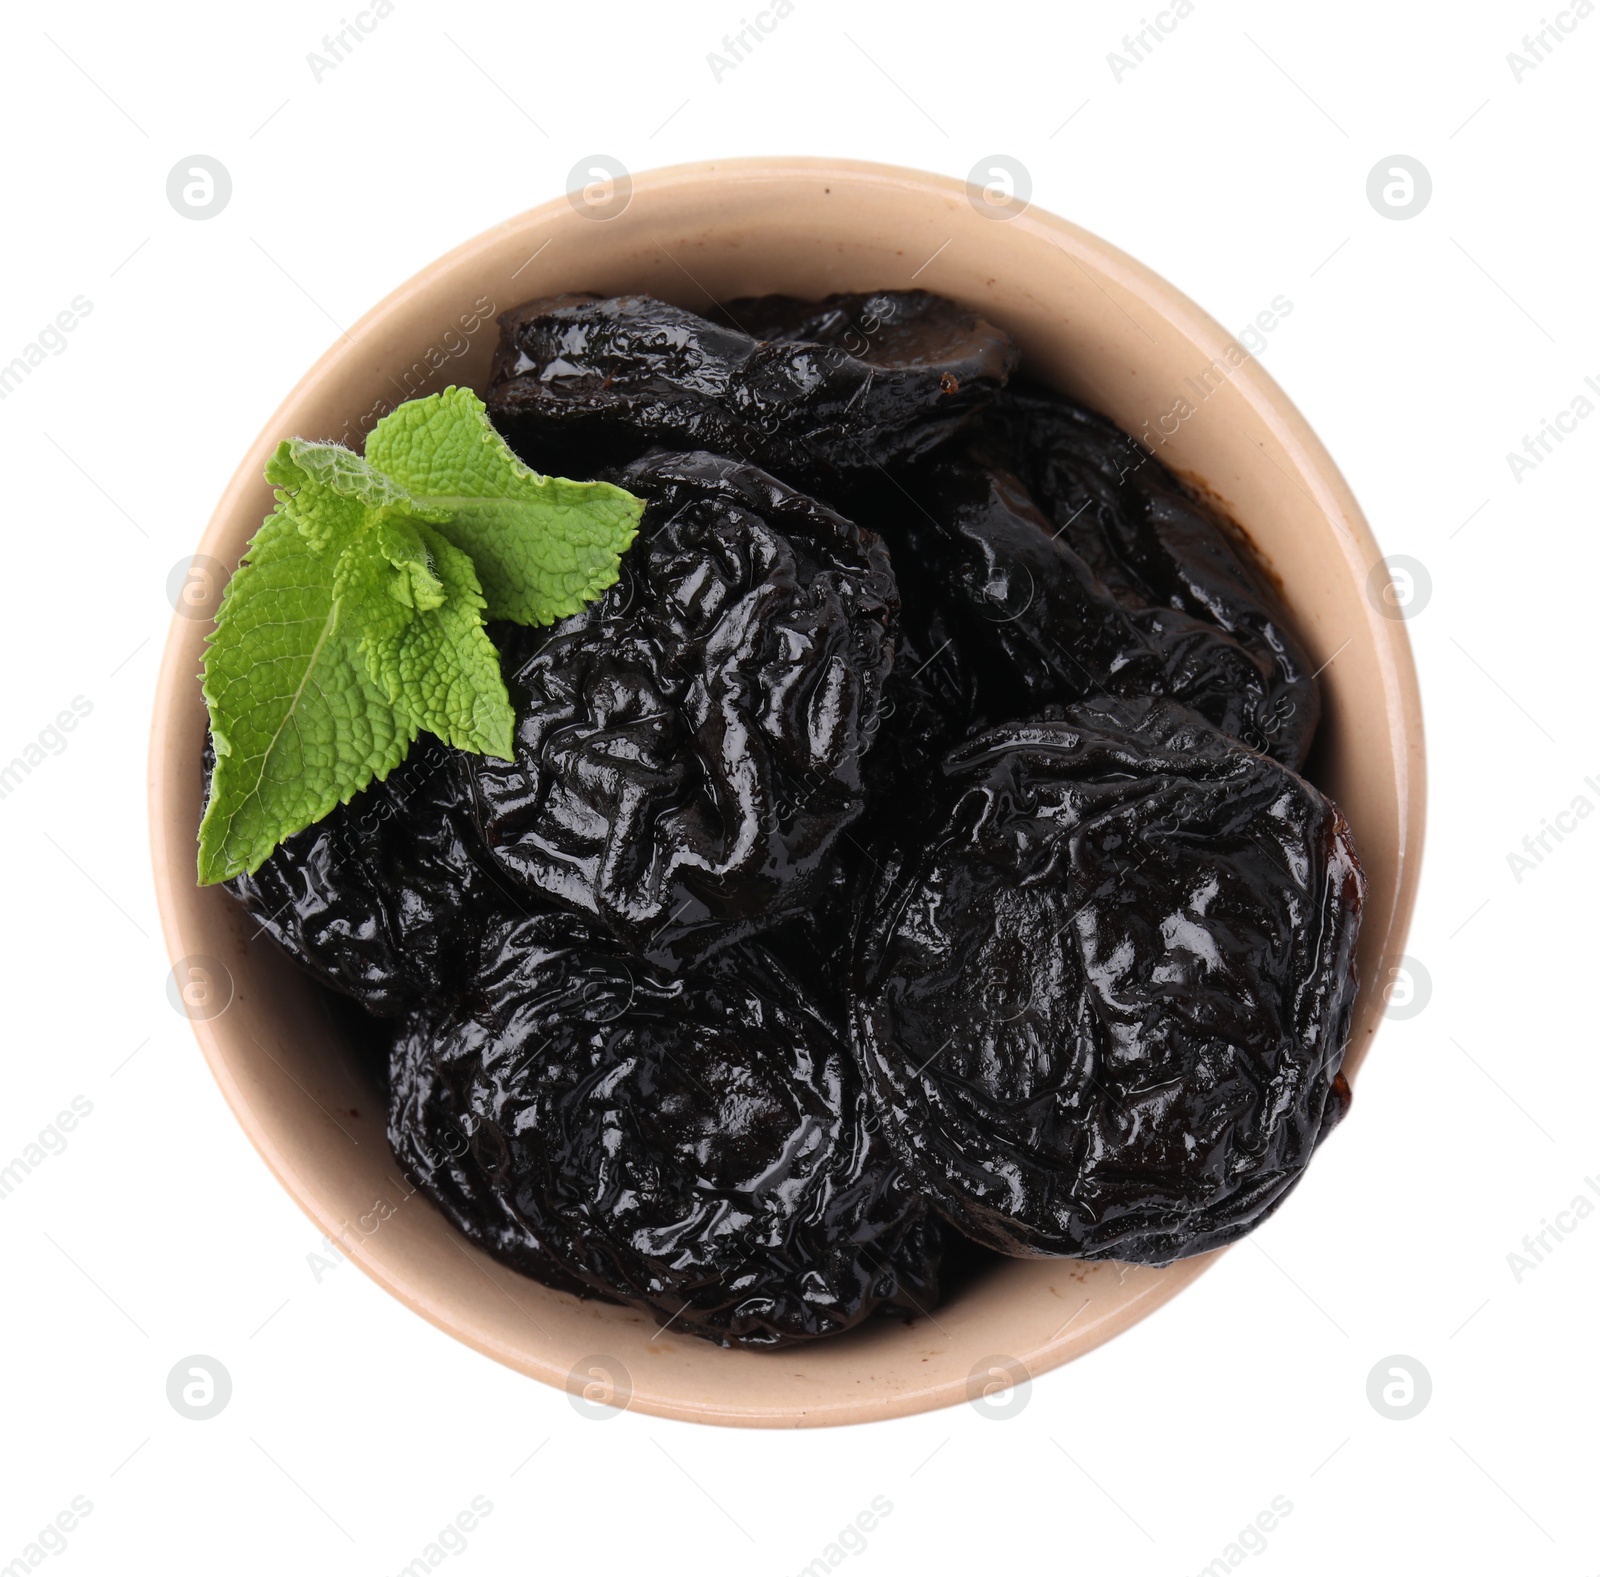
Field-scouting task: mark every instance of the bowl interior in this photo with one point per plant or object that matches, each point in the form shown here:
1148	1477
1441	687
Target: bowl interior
1092	322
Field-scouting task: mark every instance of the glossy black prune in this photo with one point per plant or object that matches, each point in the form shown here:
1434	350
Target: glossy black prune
1037	625
1103	993
688	748
381	898
1154	545
583	382
697	1145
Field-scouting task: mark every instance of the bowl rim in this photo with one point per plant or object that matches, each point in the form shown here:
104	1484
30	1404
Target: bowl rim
1334	502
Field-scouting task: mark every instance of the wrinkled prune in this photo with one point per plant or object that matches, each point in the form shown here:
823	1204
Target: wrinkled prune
581	382
1155	546
1038	627
381	898
688	749
698	1145
1104	993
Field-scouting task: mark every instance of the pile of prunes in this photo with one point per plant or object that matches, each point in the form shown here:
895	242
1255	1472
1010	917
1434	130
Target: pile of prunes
907	853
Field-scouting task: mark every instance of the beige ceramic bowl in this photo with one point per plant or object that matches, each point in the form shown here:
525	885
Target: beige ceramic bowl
1093	322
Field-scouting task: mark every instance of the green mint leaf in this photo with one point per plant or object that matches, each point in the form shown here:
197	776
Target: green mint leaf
542	546
298	724
415	598
356	617
331	493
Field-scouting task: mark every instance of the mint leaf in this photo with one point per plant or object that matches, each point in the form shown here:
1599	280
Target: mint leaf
356	617
297	722
331	493
416	599
542	546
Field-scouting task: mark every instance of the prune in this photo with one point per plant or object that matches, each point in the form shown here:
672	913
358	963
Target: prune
1155	546
697	1145
1103	993
688	748
581	382
1037	625
380	899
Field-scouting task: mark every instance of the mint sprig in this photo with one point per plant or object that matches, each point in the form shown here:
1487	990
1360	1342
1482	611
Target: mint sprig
356	617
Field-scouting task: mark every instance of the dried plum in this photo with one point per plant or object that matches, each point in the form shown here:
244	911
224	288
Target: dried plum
1038	626
1155	546
381	898
582	382
697	1145
688	749
1103	994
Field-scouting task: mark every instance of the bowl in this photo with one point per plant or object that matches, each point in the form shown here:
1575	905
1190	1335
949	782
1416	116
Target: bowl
1091	321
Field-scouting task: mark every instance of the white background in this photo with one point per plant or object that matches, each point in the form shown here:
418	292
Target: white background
1234	161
